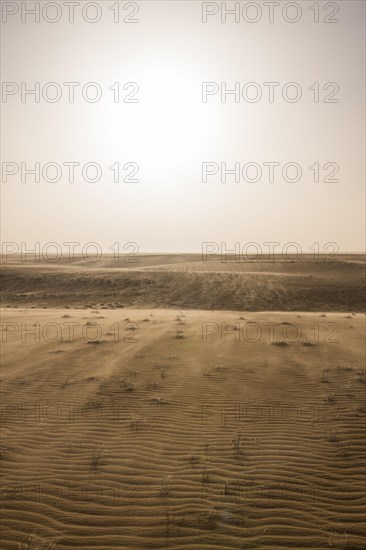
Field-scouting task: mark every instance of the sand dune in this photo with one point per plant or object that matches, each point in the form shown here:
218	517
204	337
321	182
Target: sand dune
255	286
182	428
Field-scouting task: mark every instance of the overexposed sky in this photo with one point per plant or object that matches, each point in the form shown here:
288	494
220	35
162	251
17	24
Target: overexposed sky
170	131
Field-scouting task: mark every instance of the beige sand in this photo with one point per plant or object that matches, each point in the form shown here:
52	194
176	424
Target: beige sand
161	434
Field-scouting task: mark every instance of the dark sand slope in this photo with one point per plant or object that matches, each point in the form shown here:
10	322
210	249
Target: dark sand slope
154	281
159	437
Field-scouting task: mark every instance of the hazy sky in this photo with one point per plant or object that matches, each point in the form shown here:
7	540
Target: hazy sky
170	131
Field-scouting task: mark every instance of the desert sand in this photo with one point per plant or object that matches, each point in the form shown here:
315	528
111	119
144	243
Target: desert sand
177	403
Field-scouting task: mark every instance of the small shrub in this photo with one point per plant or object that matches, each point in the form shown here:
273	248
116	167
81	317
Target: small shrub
324	379
308	343
279	343
361	376
162	400
331	398
194	459
96	457
34	542
135	422
349	391
207	520
331	435
205	476
236	444
361	407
